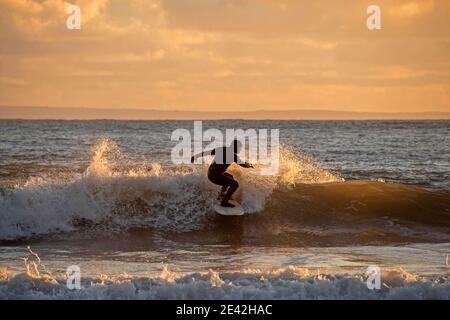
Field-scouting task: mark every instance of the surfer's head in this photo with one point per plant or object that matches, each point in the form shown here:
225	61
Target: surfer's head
236	145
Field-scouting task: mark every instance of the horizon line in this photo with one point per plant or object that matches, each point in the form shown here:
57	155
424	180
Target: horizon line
97	113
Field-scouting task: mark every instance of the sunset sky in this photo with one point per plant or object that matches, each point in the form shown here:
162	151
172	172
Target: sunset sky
230	55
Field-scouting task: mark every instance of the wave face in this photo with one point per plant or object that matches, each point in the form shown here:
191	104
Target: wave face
285	283
303	201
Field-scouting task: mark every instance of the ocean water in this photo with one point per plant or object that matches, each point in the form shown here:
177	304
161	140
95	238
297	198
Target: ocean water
104	195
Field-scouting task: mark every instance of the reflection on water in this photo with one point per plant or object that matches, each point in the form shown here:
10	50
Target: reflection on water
420	259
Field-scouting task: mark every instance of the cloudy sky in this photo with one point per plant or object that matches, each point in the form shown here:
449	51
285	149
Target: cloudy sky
227	55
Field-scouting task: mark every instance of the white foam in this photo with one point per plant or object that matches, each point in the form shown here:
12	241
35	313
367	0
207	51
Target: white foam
286	283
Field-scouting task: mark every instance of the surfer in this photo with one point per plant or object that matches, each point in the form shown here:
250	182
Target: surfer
223	158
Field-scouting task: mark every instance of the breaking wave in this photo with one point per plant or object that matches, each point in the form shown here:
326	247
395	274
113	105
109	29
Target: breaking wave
115	195
291	282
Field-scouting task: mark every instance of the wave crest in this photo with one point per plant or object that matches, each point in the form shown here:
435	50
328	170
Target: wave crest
115	194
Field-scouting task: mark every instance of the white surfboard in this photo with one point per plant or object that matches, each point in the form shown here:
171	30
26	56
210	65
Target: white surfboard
226	211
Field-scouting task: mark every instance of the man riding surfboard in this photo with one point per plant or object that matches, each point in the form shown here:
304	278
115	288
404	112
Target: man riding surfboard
223	158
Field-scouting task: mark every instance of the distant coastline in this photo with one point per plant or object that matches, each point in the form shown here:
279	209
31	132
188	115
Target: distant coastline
52	113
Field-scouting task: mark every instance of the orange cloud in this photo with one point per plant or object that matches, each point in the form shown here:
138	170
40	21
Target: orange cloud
411	9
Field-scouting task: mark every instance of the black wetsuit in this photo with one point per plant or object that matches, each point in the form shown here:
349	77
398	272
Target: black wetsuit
217	174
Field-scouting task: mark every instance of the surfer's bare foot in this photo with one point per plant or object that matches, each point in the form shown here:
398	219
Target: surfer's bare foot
226	204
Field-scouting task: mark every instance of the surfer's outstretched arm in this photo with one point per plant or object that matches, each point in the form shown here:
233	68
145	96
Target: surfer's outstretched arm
241	162
203	154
